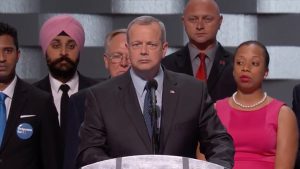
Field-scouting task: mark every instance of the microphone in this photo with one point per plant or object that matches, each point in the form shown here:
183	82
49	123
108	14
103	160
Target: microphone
155	130
153	87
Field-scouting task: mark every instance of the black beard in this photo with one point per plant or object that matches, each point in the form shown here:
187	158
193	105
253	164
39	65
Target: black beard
60	73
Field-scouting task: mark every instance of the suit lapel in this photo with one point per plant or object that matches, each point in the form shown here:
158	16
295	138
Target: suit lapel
220	62
81	82
169	102
183	61
44	84
128	98
18	101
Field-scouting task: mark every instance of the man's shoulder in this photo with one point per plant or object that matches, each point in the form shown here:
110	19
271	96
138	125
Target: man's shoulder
80	95
179	61
182	52
85	81
112	83
31	90
221	51
43	83
297	88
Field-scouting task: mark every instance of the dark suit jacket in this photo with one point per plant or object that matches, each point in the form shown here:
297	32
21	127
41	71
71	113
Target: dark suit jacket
296	108
220	82
84	82
40	151
74	120
114	124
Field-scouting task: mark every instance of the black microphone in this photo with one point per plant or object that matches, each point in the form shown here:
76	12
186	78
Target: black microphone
155	130
153	87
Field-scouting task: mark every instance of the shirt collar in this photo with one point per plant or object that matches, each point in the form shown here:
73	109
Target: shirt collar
9	90
55	84
211	53
140	83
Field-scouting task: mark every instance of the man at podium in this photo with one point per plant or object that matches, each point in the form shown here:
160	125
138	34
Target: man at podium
151	110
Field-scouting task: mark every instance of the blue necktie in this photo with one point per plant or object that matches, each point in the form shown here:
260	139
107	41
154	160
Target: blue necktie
147	110
2	116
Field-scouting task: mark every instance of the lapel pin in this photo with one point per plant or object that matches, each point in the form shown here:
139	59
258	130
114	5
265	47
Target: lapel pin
222	62
172	91
24	131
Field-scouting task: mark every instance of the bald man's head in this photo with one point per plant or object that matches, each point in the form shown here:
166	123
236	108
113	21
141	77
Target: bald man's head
212	3
202	20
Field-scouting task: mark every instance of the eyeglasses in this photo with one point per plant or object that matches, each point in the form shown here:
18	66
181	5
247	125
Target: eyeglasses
117	57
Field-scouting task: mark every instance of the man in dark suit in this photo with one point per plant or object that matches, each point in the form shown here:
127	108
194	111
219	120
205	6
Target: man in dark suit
118	119
116	62
296	109
28	120
202	20
62	38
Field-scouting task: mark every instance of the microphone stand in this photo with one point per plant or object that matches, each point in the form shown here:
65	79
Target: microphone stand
154	117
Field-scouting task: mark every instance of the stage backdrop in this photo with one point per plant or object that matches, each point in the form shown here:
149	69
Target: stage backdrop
273	22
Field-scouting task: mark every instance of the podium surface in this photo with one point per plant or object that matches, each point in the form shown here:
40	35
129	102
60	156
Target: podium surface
153	162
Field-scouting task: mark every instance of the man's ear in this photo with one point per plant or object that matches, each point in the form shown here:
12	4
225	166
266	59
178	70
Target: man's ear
105	61
165	47
220	21
18	54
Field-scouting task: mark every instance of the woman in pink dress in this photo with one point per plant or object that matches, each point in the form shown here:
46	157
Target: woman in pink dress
264	129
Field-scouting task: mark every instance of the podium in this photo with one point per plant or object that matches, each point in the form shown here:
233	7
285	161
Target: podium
153	162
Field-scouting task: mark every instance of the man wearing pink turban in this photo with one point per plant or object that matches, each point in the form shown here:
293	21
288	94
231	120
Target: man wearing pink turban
62	38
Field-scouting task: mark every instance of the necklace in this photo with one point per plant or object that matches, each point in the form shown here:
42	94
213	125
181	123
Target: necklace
249	106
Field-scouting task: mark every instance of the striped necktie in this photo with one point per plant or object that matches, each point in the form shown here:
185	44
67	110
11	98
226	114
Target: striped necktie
147	110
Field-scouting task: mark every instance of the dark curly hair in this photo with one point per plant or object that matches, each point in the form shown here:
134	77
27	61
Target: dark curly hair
262	46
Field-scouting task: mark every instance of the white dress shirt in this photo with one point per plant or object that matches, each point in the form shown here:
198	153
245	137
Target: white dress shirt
9	92
56	93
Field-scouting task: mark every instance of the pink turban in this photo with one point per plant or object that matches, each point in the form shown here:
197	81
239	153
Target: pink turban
55	25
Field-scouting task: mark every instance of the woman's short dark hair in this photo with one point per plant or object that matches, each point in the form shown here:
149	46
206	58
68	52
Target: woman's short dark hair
262	46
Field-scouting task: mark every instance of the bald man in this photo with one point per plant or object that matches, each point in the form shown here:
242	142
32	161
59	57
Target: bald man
202	20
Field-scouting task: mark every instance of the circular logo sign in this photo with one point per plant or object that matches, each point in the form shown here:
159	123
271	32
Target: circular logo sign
24	131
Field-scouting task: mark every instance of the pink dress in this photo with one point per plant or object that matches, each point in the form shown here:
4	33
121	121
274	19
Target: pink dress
254	134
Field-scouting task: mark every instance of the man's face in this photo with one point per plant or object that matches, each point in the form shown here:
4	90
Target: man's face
9	57
146	49
202	21
116	57
62	56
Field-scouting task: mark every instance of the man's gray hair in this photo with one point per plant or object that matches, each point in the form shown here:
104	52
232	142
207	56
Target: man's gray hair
111	35
147	20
